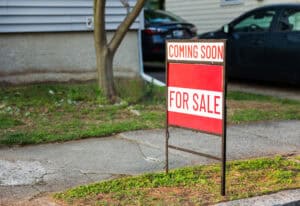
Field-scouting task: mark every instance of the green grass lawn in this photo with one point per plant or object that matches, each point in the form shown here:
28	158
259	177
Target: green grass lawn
198	185
44	113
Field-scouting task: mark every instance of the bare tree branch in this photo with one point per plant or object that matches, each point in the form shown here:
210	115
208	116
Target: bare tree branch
125	3
124	26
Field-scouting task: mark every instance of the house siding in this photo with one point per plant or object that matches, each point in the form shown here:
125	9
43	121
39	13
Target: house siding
209	15
49	40
57	15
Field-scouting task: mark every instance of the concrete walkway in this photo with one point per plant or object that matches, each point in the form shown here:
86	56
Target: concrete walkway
28	172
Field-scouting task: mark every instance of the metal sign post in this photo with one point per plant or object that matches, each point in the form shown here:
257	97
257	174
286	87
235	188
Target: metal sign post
196	92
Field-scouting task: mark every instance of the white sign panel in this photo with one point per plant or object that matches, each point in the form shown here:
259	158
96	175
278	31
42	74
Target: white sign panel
196	51
195	102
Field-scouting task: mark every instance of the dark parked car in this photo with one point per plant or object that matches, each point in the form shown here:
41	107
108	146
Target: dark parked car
160	26
263	44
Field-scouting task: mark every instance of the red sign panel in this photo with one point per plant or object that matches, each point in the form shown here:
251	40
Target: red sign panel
195	88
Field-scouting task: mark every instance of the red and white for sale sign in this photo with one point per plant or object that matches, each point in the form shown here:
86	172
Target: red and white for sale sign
195	91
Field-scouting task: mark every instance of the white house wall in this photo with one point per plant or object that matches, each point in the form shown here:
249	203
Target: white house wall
63	56
209	15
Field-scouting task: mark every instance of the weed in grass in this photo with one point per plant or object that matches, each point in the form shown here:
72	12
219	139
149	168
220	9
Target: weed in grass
137	91
242	96
251	115
132	90
292	114
7	121
283	176
17	139
248	115
257	164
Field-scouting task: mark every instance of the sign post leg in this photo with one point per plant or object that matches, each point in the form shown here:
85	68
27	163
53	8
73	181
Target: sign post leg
223	175
167	150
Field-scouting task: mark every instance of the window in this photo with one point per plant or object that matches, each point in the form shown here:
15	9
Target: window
157	16
290	21
231	2
259	21
155	4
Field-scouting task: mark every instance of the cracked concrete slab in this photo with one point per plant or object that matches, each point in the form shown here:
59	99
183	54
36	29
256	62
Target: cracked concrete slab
283	132
75	163
13	173
245	141
56	167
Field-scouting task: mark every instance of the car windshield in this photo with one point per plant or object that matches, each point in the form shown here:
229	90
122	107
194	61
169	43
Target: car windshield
258	21
158	16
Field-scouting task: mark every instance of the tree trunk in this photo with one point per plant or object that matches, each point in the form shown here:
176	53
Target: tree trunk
105	51
104	55
105	74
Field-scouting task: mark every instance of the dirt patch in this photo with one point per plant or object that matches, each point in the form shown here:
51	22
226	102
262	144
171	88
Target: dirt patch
40	201
239	105
155	196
